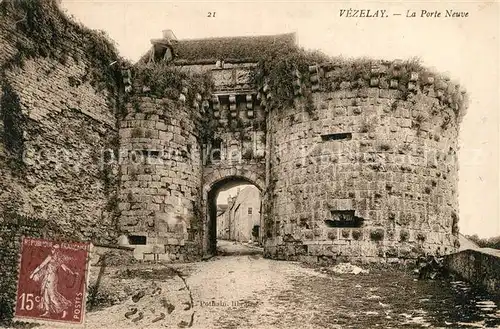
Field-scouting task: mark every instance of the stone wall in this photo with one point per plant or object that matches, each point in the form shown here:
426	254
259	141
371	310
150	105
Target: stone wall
160	166
55	124
480	267
367	174
233	127
65	131
64	120
230	133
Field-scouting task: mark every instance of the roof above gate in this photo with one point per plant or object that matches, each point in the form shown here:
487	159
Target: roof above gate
230	49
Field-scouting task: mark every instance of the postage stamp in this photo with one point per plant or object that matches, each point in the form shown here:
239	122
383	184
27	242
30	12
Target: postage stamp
52	281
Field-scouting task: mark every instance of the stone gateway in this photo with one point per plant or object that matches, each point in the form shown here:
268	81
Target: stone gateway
354	159
356	166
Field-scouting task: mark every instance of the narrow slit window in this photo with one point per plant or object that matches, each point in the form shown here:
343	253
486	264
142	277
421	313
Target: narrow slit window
336	137
343	218
216	149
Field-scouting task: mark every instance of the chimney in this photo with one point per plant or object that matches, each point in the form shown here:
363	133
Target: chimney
169	35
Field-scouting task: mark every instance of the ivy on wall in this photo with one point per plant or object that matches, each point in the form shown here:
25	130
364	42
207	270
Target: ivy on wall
281	70
164	80
276	67
40	29
231	49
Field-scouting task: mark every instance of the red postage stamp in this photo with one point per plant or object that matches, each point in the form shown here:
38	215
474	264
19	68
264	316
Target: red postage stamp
52	281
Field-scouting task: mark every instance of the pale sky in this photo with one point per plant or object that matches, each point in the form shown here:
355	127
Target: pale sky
467	48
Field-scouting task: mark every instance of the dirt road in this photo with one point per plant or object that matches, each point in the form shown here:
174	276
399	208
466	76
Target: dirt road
248	291
225	292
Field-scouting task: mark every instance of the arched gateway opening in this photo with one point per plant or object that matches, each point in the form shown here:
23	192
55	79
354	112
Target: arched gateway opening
234	213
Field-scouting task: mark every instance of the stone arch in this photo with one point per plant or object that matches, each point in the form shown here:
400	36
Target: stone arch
245	175
213	181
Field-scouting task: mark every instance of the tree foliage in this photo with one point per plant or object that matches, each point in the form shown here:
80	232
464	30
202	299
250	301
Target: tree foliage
493	242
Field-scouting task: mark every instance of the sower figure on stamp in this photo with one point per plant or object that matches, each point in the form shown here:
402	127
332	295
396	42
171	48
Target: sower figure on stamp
52	300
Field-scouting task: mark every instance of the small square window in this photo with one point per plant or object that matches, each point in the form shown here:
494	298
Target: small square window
136	239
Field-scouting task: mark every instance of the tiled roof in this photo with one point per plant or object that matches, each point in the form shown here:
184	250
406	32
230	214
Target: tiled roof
231	47
238	49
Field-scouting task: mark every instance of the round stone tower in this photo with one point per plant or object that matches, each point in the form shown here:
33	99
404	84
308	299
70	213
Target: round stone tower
160	178
367	171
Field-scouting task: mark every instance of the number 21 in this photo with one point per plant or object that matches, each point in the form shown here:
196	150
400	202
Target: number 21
211	14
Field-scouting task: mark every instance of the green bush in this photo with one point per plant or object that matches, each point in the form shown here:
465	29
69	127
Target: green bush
231	48
276	70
